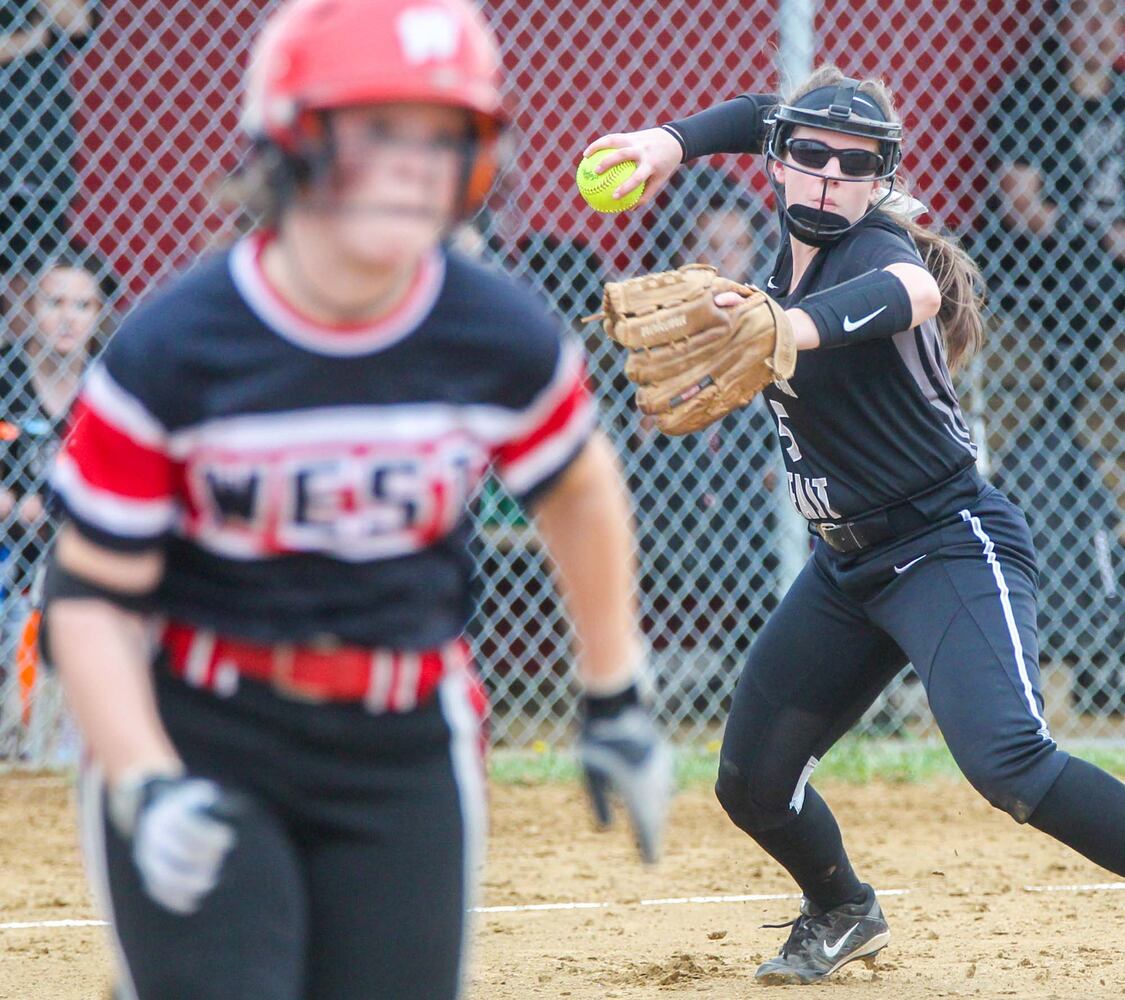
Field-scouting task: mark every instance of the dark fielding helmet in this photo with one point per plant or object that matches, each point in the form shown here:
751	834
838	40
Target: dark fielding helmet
840	108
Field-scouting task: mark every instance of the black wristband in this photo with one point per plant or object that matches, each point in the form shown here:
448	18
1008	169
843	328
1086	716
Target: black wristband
735	126
595	707
874	305
129	797
60	584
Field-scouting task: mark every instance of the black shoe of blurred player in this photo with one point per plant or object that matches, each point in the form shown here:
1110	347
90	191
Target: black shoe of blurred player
822	941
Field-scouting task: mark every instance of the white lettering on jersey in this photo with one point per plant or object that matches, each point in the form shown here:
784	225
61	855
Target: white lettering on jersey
427	34
785	387
820	486
810	497
801	499
784	432
346	500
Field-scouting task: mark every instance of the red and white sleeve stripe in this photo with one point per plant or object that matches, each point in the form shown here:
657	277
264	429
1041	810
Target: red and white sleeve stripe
113	472
550	431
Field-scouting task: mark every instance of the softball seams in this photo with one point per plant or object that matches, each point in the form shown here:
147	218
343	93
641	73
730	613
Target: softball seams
610	179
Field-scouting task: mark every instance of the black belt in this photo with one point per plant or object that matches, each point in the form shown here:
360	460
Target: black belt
862	533
893	521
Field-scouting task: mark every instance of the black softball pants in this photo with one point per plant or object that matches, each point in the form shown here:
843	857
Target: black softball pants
958	602
355	859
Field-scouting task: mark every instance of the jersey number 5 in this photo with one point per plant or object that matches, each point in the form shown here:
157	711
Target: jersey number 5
784	432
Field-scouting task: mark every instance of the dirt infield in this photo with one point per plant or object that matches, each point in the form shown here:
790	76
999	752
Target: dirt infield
966	927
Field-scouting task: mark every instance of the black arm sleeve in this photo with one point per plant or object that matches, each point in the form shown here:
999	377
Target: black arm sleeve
736	126
874	305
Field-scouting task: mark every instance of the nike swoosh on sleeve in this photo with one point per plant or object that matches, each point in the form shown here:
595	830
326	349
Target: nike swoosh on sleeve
850	325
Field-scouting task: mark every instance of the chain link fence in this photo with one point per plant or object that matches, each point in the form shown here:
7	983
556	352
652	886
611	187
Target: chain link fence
118	123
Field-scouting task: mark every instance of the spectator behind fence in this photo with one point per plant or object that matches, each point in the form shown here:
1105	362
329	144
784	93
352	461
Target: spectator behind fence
39	378
1055	237
569	275
706	502
37	138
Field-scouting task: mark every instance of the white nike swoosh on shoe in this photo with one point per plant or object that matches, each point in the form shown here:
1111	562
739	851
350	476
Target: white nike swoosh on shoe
905	566
832	950
851	325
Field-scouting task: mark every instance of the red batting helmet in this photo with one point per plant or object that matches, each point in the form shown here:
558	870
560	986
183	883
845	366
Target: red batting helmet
316	55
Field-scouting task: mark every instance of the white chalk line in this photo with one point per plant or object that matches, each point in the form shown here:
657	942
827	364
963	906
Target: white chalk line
45	782
519	907
607	904
512	908
1092	887
668	901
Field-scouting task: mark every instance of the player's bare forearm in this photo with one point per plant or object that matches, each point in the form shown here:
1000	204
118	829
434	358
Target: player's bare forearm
921	287
805	334
102	654
586	522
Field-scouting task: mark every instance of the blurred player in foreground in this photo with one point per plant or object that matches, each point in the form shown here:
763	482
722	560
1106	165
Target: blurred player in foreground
917	559
258	598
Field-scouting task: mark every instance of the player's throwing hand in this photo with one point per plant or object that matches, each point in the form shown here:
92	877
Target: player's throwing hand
656	152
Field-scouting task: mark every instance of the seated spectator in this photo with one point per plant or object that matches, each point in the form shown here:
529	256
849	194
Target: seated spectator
1054	248
567	272
705	216
707	502
569	275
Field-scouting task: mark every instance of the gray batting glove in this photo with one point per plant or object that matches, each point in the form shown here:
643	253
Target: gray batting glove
181	830
621	752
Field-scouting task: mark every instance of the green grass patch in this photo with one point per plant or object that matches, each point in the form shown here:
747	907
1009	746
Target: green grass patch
854	760
1110	759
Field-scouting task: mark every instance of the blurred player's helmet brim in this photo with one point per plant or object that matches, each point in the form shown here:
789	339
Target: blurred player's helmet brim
318	55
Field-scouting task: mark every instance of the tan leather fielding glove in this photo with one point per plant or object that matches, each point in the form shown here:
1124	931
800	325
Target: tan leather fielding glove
692	361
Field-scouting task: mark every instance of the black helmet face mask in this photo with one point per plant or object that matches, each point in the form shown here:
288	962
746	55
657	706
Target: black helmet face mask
836	108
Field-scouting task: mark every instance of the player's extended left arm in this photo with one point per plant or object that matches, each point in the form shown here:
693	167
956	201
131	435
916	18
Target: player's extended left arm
180	827
586	522
877	304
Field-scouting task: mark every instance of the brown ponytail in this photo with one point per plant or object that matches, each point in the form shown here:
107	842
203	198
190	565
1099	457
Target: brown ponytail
956	273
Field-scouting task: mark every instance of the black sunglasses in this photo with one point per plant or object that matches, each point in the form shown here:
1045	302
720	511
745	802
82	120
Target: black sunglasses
853	162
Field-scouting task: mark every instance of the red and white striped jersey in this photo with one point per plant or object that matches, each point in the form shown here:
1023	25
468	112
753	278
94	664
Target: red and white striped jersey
308	481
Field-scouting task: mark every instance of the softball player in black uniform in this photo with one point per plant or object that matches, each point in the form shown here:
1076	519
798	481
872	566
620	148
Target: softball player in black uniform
266	491
916	559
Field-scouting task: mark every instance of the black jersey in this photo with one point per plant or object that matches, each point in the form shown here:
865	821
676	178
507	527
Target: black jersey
29	438
308	481
28	432
871	423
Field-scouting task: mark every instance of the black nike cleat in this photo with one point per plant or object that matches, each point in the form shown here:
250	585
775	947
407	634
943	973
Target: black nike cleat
822	941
